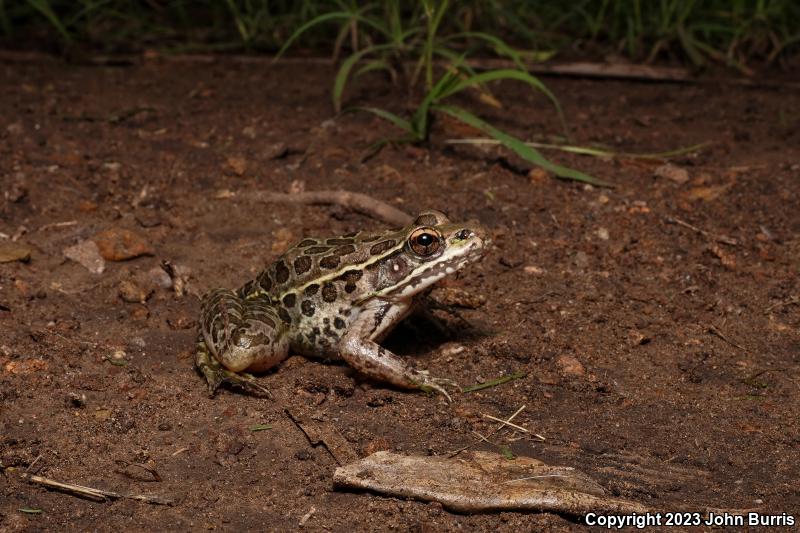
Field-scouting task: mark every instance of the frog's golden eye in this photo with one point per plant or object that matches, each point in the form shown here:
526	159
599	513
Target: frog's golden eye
425	241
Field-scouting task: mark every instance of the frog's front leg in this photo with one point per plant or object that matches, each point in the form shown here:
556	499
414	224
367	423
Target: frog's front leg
238	334
360	350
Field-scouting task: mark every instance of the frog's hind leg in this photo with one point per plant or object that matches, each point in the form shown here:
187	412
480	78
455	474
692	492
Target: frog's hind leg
238	334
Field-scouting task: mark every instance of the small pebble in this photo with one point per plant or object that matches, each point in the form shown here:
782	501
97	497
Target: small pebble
76	400
86	254
570	366
533	270
673	173
131	292
119	244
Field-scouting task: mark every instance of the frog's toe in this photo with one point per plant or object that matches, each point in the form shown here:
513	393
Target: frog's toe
438	385
216	375
244	381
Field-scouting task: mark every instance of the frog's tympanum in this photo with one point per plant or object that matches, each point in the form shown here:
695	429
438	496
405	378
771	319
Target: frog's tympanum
335	297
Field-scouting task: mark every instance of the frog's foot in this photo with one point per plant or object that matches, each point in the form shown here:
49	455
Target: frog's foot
429	384
216	374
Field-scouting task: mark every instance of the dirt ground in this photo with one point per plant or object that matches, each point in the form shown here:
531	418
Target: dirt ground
657	322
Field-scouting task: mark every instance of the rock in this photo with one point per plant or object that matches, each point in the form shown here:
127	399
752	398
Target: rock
27	366
539	175
671	172
11	251
727	260
119	244
602	234
86	254
147	218
450	349
533	270
637	338
570	366
706	194
23	287
458	297
132	292
581	259
181	320
159	278
76	400
237	164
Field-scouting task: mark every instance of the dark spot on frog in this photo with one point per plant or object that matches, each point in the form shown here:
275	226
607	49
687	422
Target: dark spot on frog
381	351
387	261
281	272
350	278
329	292
345	250
311	290
381	247
329	261
317	250
302	264
315	330
338	323
284	314
307	307
265	281
306	242
339	240
290	299
372	239
350	235
427	219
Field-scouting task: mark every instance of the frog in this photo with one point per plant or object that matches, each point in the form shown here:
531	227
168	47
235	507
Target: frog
335	297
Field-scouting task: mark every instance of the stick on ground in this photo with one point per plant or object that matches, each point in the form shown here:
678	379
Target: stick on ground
361	203
91	493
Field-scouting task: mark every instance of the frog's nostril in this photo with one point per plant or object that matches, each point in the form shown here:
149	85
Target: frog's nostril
464	234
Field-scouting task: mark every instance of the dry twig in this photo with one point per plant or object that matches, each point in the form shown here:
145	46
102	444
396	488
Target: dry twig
714	330
719	238
92	493
503	424
354	201
784	303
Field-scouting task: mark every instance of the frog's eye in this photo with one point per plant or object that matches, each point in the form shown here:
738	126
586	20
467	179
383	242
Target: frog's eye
424	241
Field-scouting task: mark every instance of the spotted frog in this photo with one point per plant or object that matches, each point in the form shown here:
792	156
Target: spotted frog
335	297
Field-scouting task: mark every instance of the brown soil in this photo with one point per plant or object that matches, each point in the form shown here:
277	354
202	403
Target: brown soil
660	360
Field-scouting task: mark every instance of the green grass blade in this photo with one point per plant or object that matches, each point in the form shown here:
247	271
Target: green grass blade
375	64
499	45
346	16
495	382
507	74
588	150
397	120
344	72
421	119
518	147
44	8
